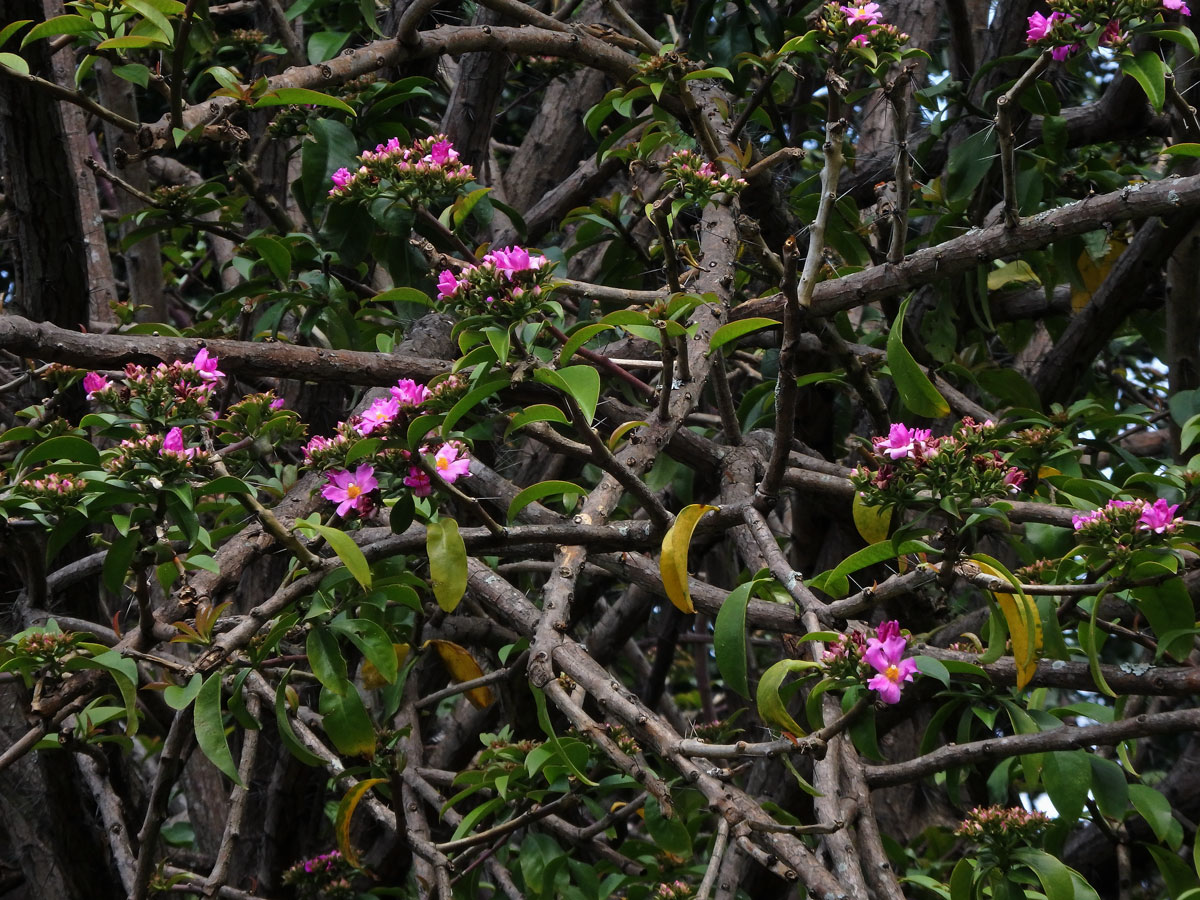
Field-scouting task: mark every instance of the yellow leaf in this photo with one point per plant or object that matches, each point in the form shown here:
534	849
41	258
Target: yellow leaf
1047	471
672	564
1093	273
371	678
872	522
1024	623
1019	272
341	826
462	667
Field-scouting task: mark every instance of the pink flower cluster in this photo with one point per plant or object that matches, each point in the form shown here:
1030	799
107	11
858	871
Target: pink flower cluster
509	281
863	22
998	823
427	169
450	462
351	490
698	179
55	486
903	442
1157	518
1061	28
180	390
155	454
884	654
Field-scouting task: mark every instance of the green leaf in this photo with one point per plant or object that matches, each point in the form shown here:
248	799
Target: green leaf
934	668
1180	34
347	722
1054	876
539	412
345	811
124	673
543	715
771	708
14	62
915	389
872	522
117	560
301	97
210	728
711	72
729	638
1153	807
734	330
673	561
12	28
581	382
542	489
670	835
487	388
1067	776
578	338
286	733
275	254
66	447
962	879
345	548
59	25
1184	150
325	659
154	17
836	583
373	642
1150	72
447	563
181	697
1109	787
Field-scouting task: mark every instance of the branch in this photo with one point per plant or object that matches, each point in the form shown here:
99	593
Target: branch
76	97
1004	134
263	360
1136	201
1069	737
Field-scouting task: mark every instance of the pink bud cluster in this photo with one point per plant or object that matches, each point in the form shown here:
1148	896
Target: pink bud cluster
1127	516
155	454
915	466
55	487
1006	826
860	24
425	170
507	283
179	390
326	876
698	179
677	890
1061	29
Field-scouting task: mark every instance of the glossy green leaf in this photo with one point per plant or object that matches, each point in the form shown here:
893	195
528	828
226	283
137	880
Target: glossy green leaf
209	723
1153	807
15	63
539	412
1067	776
347	722
301	97
66	447
771	707
345	548
916	390
178	697
539	491
59	25
731	331
1148	69
275	254
1054	876
729	638
581	382
325	658
373	642
286	733
447	563
836	582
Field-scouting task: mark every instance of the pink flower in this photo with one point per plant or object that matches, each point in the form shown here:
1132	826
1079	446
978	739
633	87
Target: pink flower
349	491
863	12
1040	26
884	656
206	367
408	393
861	39
1112	31
1058	54
277	403
447	284
451	463
341	178
380	414
514	259
1083	520
172	445
442	152
316	445
93	382
1013	479
1159	518
1179	5
419	482
902	442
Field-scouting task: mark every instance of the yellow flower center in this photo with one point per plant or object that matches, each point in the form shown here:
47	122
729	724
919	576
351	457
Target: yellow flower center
353	491
443	463
892	674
